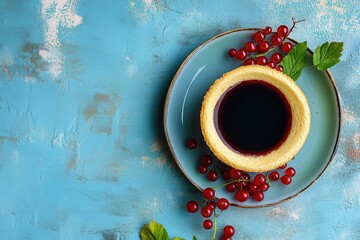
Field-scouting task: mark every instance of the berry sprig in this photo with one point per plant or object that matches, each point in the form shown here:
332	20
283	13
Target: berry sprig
238	182
264	42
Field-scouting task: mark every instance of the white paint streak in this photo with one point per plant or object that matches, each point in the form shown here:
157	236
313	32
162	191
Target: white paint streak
57	14
130	66
58	140
338	9
280	212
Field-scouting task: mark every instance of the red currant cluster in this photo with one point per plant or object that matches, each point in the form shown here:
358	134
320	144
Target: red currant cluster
264	42
237	181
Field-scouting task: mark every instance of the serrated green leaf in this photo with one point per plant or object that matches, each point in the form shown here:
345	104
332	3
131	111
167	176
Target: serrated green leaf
154	231
327	55
295	61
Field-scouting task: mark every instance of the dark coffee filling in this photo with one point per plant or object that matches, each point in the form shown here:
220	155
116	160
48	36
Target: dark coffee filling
253	117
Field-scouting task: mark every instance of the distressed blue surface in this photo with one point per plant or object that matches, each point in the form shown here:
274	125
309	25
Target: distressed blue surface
82	88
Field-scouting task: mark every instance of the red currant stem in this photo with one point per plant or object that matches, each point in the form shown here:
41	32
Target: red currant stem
268	179
293	26
263	54
215	227
233	181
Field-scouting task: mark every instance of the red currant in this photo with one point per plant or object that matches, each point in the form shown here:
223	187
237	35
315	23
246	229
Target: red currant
245	176
226	175
209	193
259	179
283	166
264	187
212	175
286	47
290	172
261	60
231	187
192	206
206	160
212	205
206	211
241	54
280	68
258	196
250	47
274	176
191	143
276	57
286	180
225	238
232	52
253	187
268	30
235	173
249	61
229	231
282	30
275	40
244	184
242	195
264	46
271	64
207	224
202	169
259	36
223	204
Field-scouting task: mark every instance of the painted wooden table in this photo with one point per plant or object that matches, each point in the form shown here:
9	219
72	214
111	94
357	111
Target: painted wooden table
82	89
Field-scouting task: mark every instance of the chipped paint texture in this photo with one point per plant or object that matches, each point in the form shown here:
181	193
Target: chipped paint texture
82	87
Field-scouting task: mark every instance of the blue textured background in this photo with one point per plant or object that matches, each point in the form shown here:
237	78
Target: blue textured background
82	88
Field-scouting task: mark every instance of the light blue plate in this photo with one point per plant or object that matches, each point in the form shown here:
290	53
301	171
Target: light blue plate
181	118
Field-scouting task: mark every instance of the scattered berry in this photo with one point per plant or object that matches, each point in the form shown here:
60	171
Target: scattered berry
286	180
276	57
274	176
264	46
245	176
207	224
286	47
206	211
283	166
249	61
212	205
191	143
206	160
268	30
226	175
202	169
258	196
259	179
282	30
259	36
223	204
271	64
212	175
192	206
242	195
250	47
231	187
241	54
264	187
275	40
209	193
262	60
232	52
235	174
253	187
279	68
229	231
290	172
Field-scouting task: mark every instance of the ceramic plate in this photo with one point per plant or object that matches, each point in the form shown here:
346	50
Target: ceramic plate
181	118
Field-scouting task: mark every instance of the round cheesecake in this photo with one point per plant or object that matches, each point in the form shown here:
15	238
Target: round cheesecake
255	118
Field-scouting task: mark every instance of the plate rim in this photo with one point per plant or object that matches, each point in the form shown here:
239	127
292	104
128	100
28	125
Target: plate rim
168	94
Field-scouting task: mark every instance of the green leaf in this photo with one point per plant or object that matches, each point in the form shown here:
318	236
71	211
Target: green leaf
178	238
295	61
327	55
194	238
154	231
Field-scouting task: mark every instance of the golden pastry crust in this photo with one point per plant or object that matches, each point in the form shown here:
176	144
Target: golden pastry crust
300	119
